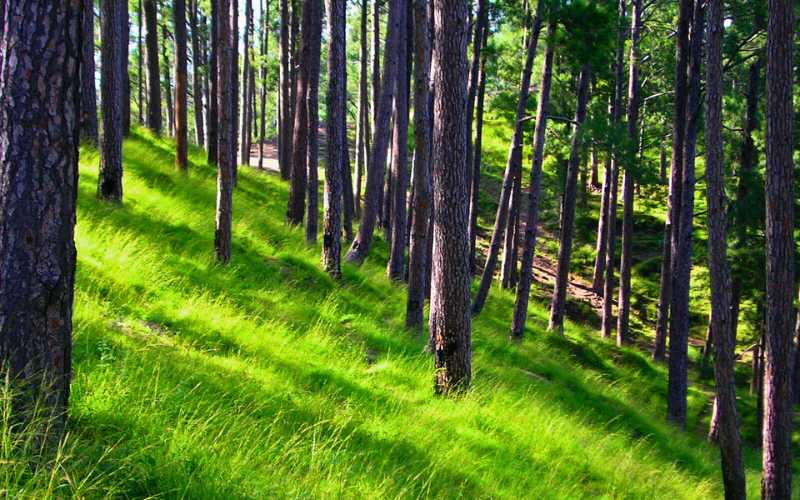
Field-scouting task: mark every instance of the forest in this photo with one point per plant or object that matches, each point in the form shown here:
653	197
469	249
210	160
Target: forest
399	249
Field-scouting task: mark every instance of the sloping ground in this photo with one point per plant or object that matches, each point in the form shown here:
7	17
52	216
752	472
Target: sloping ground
266	379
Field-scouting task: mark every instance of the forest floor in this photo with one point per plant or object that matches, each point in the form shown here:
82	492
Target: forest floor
267	379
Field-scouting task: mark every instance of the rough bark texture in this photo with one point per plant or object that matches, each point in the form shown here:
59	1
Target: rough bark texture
534	190
375	173
181	86
450	322
476	156
337	137
777	435
167	79
39	118
397	251
682	251
725	404
312	115
213	91
675	182
126	77
197	74
606	223
418	244
153	69
513	166
376	67
285	154
626	259
226	38
114	65
559	300
88	121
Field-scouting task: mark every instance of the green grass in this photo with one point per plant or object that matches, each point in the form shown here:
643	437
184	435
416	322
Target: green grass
265	378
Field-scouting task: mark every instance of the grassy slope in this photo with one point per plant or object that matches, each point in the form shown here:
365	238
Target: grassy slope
265	378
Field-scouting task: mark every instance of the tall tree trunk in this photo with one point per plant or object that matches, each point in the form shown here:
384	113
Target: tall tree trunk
728	426
299	177
88	121
376	69
777	461
213	90
672	224
559	300
595	164
450	322
633	163
140	61
197	74
262	136
606	223
534	188
226	96
375	173
682	252
513	166
181	84
167	79
362	129
233	140
285	154
312	113
39	133
337	136
397	251
508	265
418	245
126	77
114	64
247	95
153	68
476	157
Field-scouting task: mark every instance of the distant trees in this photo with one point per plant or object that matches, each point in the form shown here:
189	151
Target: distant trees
39	133
450	322
153	69
778	401
114	66
181	86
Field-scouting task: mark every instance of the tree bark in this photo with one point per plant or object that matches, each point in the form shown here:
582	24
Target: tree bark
363	129
726	415
419	255
88	117
140	61
197	74
262	136
559	300
285	160
154	122
247	95
39	166
534	189
628	179
114	64
450	322
167	83
375	174
682	251
312	114
512	167
481	20
396	265
226	96
376	68
672	224
337	136
777	438
126	77
181	84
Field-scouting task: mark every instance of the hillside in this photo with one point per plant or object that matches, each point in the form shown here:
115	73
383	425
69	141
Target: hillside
267	379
